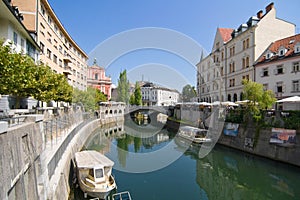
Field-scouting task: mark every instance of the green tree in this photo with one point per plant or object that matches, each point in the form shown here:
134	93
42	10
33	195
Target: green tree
258	98
132	99
137	95
188	92
123	88
89	98
15	73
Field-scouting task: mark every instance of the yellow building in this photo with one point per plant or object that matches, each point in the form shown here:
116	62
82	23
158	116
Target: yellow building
58	49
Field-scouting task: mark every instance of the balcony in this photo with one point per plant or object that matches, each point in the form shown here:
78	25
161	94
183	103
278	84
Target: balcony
67	58
67	70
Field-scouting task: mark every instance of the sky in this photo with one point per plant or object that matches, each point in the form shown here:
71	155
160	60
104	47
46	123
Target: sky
157	40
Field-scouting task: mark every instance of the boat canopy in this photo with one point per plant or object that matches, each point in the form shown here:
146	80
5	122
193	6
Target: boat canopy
92	159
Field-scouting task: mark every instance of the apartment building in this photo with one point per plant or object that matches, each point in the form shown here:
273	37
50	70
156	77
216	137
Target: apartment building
233	56
159	96
96	78
278	68
14	32
58	49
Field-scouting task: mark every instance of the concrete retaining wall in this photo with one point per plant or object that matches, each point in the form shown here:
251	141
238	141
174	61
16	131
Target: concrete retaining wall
249	140
20	147
60	183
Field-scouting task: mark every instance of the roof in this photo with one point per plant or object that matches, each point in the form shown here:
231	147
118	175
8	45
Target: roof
288	43
91	158
225	33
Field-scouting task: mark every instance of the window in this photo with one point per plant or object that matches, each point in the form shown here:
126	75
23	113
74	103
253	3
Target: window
297	48
279	87
42	46
222	71
60	49
246	44
15	38
296	67
54	58
48	53
49	20
232	82
43	10
231	51
60	62
279	69
246	77
265	72
222	55
96	76
55	28
232	67
295	86
23	44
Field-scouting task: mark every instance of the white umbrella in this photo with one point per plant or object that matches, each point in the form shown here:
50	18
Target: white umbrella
293	99
229	103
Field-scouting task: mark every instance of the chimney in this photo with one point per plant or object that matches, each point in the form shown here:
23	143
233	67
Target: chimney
269	7
259	14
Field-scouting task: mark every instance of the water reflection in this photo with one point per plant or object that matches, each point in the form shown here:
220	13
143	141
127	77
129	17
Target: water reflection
235	175
223	174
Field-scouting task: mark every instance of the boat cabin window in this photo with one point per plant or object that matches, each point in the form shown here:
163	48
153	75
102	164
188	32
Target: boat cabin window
97	174
200	134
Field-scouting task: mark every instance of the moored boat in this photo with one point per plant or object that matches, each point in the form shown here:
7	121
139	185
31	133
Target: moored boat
194	134
94	173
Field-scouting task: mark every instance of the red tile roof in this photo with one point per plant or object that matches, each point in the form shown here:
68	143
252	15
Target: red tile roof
288	43
225	33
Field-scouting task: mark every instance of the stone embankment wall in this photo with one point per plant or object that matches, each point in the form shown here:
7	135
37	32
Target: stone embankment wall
20	147
60	180
254	141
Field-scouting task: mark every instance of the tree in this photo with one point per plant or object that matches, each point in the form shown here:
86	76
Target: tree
188	92
16	73
89	98
137	95
123	88
258	98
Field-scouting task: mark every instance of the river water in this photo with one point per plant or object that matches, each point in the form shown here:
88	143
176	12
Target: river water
178	172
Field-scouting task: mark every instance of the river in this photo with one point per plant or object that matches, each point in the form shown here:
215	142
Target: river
158	165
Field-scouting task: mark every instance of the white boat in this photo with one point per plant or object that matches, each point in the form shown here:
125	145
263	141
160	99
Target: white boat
94	173
194	134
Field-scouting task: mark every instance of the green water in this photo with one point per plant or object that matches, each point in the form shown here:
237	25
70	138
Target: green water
223	174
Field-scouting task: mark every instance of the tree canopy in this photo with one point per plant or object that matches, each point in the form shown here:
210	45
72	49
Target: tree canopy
136	97
89	99
21	77
258	97
123	88
188	92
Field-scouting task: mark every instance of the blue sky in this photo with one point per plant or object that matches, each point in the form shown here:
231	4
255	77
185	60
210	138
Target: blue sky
94	22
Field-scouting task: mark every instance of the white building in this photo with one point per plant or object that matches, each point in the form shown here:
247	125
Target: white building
278	68
220	74
14	32
159	96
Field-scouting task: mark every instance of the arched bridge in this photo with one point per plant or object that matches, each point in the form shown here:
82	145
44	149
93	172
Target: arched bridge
160	109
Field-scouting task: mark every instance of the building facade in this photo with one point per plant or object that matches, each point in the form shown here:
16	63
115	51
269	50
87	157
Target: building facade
278	68
232	59
58	49
154	95
96	78
15	33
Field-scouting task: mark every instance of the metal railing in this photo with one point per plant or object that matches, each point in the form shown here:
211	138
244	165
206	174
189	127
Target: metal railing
56	126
